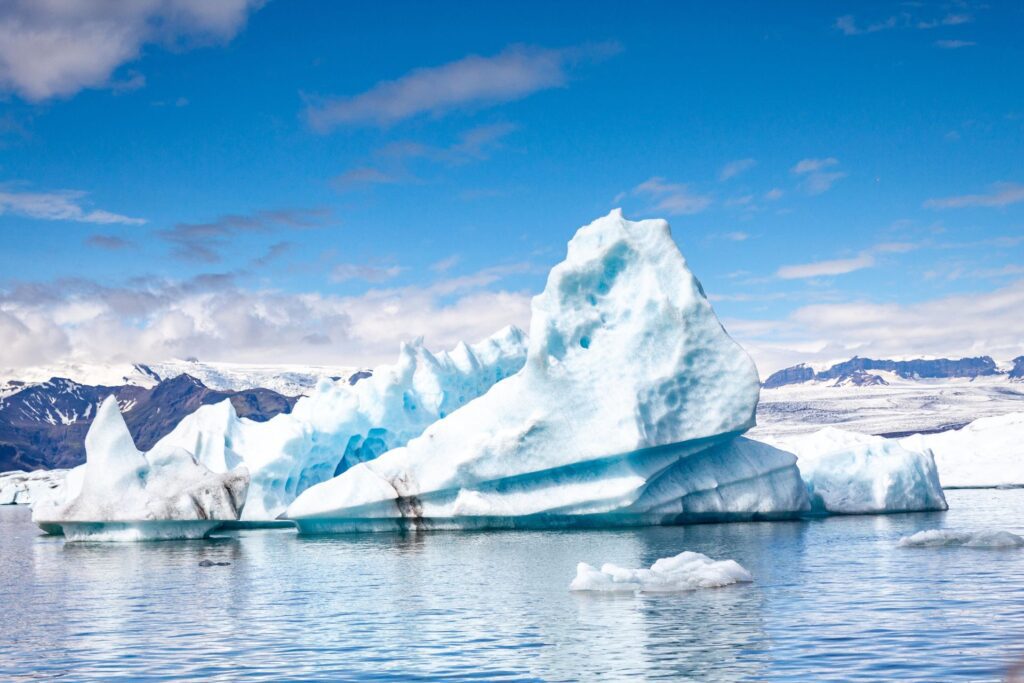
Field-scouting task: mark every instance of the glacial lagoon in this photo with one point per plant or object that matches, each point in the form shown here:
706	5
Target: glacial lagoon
832	599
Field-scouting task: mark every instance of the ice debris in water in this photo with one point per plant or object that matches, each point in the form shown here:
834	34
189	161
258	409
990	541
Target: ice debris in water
851	473
934	538
123	494
685	572
625	412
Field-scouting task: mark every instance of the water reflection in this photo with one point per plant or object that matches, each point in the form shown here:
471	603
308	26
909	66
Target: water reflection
832	599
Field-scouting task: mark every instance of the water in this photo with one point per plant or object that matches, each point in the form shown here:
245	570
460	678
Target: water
832	599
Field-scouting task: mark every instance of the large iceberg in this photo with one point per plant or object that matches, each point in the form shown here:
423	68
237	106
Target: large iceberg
988	452
122	494
626	412
851	473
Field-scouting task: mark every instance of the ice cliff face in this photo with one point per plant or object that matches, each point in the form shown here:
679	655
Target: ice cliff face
121	485
625	412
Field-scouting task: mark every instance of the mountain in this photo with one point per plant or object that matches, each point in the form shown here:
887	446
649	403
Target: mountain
43	425
889	397
855	371
290	380
1017	371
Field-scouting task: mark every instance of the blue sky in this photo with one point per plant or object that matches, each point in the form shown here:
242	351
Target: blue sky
314	181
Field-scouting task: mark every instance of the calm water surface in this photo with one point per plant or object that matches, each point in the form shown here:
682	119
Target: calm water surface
832	599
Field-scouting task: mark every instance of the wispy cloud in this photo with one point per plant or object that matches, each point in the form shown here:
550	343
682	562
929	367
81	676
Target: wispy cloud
392	162
55	49
203	242
986	322
848	25
954	44
344	272
671	198
818	175
735	168
826	268
61	205
1002	194
108	242
474	81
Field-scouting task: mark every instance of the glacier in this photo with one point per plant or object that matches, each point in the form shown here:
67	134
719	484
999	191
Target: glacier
986	453
684	572
626	411
121	493
851	473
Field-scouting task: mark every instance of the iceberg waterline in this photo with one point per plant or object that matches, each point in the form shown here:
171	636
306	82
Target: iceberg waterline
684	572
626	405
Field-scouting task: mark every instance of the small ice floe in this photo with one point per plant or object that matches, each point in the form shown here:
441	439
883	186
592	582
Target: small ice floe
936	538
686	571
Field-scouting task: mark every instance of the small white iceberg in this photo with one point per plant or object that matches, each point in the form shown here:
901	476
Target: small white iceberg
936	538
122	494
686	571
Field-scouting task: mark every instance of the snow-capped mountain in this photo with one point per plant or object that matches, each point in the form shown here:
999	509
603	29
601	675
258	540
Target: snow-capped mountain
44	425
890	397
290	380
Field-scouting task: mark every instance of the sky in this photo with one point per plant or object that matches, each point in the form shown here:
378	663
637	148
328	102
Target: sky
316	182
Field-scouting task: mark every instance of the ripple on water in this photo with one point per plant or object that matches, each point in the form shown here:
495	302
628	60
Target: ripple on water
832	599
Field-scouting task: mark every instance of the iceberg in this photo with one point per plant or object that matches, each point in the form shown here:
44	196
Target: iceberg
935	538
122	494
24	488
851	473
626	411
686	571
987	453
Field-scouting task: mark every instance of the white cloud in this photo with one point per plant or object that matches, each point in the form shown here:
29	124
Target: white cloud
474	81
55	49
816	176
985	323
61	205
773	194
671	198
826	268
734	168
1002	194
954	44
213	319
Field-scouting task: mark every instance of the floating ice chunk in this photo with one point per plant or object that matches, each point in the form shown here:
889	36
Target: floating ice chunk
120	493
850	473
934	538
685	572
629	381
